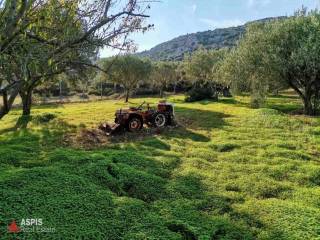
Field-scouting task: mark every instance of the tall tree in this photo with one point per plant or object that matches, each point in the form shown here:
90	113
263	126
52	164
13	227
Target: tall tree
127	70
13	22
278	54
163	73
201	71
180	75
198	65
62	35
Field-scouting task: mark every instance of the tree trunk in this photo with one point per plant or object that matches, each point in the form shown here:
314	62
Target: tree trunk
5	108
8	101
226	92
101	90
127	96
316	99
275	92
26	103
161	93
60	90
308	107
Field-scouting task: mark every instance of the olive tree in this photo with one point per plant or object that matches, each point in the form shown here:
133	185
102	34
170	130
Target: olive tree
279	54
180	75
13	23
240	67
127	71
163	73
201	70
62	35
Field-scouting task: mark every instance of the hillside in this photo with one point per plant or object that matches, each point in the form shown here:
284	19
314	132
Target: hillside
211	39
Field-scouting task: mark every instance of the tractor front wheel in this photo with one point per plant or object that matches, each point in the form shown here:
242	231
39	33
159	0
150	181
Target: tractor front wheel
134	124
159	120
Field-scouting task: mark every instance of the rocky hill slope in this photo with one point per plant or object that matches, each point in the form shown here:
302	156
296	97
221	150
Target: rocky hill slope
212	39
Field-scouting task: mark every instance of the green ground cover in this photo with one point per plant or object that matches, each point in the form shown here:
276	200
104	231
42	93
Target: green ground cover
230	172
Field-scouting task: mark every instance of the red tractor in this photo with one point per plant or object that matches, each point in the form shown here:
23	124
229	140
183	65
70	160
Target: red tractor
133	118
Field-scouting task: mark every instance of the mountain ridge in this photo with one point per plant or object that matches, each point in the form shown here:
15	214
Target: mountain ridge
174	49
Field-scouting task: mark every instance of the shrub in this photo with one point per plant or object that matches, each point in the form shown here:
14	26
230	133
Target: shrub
227	147
44	118
145	91
84	96
200	92
315	178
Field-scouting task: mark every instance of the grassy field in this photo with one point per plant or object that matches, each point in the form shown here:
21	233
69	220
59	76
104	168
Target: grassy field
229	172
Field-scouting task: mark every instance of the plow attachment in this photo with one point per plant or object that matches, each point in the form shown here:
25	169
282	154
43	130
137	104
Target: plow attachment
110	129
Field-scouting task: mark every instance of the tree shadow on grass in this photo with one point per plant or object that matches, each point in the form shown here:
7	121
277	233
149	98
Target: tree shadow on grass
224	100
21	123
182	132
49	105
287	109
229	101
198	119
283	103
21	146
194	213
285	96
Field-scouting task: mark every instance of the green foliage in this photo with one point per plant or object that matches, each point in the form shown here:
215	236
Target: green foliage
48	38
276	55
127	71
203	64
201	91
201	70
163	74
246	68
44	118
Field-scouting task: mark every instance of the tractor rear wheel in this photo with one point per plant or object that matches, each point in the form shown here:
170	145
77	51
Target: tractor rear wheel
134	124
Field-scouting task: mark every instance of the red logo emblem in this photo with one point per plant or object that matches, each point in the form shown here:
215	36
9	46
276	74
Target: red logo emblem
13	227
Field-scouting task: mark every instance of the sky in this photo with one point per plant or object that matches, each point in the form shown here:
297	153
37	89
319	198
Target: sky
172	18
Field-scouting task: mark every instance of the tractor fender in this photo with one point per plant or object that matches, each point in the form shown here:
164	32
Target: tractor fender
132	115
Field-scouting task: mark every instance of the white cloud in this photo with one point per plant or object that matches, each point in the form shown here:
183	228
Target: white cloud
221	24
